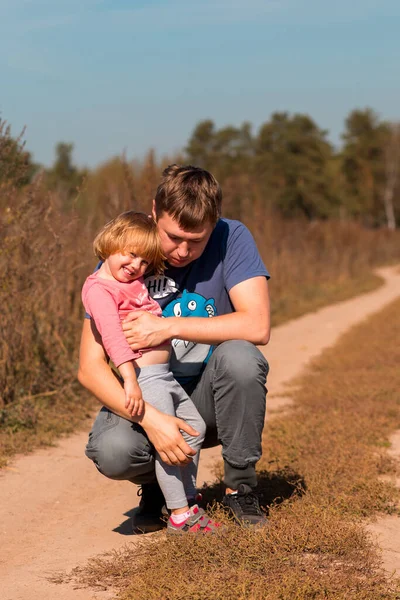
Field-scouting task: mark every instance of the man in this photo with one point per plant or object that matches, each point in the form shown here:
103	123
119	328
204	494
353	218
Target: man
214	294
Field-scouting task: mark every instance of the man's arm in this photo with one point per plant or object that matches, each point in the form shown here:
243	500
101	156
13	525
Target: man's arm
96	375
250	321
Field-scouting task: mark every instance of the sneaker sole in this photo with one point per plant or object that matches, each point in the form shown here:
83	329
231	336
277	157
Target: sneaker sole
141	528
147	524
245	522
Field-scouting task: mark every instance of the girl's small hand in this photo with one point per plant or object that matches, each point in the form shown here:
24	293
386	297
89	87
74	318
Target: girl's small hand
133	398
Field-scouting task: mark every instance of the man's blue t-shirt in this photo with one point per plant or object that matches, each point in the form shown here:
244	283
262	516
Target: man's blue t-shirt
201	289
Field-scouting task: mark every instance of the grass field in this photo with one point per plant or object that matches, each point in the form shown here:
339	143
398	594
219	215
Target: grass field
320	476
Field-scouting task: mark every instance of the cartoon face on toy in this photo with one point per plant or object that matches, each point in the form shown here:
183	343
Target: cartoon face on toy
190	305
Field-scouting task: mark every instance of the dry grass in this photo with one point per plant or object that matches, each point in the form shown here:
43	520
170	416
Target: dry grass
282	562
320	475
42	269
316	263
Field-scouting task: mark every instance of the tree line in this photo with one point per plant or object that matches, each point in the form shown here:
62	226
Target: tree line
288	167
291	164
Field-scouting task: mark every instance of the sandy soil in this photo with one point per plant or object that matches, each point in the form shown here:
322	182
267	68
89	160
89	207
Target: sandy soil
57	511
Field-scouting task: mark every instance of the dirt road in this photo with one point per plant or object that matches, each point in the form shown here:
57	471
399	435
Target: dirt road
57	511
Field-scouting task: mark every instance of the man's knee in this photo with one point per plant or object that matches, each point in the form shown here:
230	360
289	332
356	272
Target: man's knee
117	459
242	362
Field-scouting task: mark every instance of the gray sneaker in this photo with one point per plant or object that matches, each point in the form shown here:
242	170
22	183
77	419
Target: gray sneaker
245	507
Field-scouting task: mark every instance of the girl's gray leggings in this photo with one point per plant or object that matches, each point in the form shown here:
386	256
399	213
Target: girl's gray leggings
230	397
161	390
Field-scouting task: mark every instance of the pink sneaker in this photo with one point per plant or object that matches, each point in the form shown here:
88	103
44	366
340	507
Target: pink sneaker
198	522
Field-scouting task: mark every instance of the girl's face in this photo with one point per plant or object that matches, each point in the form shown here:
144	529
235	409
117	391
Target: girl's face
125	267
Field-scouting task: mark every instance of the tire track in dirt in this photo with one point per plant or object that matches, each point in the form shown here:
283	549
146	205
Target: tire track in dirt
56	511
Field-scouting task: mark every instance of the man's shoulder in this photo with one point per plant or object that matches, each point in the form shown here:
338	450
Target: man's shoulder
233	233
230	225
227	231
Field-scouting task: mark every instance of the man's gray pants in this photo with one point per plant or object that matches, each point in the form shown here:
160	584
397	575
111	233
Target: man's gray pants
229	395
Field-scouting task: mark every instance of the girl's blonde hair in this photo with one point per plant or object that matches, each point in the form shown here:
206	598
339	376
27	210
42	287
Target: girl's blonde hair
131	232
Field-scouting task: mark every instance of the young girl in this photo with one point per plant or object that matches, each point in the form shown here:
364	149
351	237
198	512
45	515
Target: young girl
129	247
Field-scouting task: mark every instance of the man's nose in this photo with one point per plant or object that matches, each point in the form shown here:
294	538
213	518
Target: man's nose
183	250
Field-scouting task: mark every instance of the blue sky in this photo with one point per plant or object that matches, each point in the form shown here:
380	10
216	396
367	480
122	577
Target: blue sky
119	75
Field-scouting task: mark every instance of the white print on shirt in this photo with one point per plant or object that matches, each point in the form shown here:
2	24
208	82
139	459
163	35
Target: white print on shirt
160	287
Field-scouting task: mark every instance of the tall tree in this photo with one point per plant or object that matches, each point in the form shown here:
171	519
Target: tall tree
293	160
200	148
225	152
229	153
392	173
16	165
64	176
149	178
364	166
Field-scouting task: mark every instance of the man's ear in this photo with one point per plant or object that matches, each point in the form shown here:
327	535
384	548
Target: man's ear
153	210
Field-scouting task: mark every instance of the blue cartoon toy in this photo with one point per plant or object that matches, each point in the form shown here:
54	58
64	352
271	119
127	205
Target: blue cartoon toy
190	305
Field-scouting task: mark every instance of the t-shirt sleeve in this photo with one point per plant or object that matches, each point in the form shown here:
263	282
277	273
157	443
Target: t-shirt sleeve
101	305
242	260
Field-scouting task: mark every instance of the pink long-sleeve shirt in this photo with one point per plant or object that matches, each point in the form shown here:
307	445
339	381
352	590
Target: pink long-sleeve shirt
108	302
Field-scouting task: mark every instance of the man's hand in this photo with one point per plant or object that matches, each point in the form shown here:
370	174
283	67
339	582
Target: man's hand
164	433
144	330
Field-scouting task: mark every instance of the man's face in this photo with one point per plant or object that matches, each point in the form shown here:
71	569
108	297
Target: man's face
181	247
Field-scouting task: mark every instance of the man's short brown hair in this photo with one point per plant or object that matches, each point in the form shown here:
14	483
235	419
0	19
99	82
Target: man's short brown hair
192	196
131	232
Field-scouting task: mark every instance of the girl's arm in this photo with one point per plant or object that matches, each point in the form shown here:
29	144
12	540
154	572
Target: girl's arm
133	394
